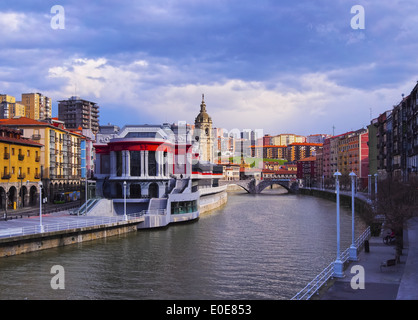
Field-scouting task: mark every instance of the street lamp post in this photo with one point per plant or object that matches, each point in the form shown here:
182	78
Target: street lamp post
338	264
353	248
41	227
125	217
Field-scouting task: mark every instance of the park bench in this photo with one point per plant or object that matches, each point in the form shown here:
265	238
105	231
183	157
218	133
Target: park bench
388	263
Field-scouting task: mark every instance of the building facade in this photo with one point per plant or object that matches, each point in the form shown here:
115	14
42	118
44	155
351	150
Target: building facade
9	108
307	171
285	139
38	106
79	113
60	158
140	161
297	151
396	141
20	170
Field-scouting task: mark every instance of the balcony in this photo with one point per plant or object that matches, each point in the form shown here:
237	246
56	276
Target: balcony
21	176
37	159
20	157
37	176
6	156
6	176
36	137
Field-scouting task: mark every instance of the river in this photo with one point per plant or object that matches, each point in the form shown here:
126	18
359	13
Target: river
266	246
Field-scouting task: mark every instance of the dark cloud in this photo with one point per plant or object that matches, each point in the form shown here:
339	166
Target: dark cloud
163	48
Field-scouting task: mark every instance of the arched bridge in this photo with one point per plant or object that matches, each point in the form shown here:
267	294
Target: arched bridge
257	186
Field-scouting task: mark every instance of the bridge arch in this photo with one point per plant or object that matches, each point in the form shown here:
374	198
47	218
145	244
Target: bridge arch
267	183
242	187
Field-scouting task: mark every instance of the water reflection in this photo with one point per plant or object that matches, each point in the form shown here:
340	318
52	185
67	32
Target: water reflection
265	246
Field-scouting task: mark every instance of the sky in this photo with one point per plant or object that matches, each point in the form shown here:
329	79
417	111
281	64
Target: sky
299	66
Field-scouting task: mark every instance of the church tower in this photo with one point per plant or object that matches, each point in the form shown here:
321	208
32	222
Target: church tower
203	133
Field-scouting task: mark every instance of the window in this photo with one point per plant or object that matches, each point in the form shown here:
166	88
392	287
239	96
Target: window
135	163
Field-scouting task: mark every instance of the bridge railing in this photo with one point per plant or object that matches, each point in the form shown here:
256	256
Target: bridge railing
322	278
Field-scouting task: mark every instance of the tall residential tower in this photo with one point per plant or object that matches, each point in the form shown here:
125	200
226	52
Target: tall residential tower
76	113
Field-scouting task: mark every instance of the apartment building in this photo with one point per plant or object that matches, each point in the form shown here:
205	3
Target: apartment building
297	151
38	106
395	149
79	113
20	169
62	158
285	139
347	152
9	108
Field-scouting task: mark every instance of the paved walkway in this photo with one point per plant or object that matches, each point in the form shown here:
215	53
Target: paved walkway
398	282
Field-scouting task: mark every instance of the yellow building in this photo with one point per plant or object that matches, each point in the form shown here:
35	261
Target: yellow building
7	98
285	139
38	106
60	157
20	169
9	108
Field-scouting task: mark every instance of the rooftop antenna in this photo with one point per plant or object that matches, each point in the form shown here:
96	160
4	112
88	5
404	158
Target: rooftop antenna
333	130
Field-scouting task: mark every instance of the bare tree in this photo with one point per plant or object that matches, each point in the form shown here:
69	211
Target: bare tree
398	202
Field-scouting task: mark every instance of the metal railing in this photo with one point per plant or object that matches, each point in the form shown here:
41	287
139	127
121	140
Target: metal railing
313	287
154	212
82	223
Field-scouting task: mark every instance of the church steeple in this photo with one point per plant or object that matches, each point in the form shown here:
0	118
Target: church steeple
203	105
203	133
203	115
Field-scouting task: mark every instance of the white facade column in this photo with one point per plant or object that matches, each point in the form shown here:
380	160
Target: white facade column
166	164
188	159
142	156
123	163
128	163
146	163
170	163
157	163
160	163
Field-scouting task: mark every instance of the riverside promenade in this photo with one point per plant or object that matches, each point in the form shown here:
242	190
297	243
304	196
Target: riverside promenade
398	282
28	234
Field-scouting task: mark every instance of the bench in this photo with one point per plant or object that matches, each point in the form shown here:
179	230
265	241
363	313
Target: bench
388	263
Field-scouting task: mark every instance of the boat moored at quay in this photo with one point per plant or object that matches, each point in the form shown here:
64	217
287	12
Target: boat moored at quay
154	170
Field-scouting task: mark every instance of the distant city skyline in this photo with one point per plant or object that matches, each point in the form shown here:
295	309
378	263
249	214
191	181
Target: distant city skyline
279	66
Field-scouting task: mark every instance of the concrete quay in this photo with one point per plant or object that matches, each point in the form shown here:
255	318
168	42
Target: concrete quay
398	282
23	235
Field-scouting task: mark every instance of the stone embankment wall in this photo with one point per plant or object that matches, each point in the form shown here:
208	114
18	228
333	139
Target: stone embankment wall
35	242
212	201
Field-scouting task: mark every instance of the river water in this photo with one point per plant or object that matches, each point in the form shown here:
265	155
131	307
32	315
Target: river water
266	246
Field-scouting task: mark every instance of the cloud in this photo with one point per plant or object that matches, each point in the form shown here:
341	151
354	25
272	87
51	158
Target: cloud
298	103
11	22
278	65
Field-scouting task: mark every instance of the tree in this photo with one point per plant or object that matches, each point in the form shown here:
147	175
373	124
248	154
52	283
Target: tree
398	202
